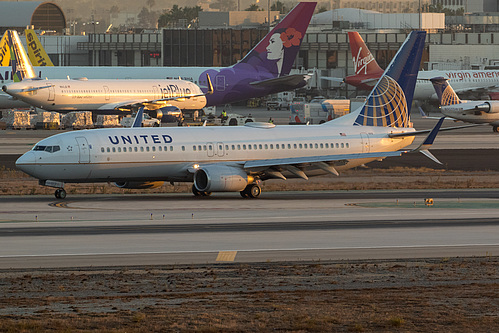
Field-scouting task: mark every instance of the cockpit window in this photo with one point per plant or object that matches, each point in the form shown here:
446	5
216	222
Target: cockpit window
48	149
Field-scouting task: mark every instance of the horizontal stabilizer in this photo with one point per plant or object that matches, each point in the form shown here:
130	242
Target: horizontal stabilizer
288	80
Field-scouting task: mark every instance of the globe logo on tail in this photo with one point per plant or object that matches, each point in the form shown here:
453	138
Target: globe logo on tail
449	97
386	106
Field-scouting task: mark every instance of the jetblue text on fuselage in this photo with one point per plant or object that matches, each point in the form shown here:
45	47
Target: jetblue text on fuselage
140	139
173	90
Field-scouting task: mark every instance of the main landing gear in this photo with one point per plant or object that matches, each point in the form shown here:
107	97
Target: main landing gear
251	191
199	193
60	193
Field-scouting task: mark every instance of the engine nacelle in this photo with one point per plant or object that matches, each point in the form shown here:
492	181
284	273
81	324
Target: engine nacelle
138	185
489	107
158	114
493	107
222	178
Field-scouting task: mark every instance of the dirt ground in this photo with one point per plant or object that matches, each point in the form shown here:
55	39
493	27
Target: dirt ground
419	295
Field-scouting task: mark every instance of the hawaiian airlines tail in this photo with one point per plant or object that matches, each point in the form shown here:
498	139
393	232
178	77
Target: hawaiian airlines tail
278	50
390	101
21	67
4	51
446	95
36	52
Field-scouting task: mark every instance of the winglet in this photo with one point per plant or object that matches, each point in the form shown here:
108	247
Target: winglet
423	147
137	122
210	86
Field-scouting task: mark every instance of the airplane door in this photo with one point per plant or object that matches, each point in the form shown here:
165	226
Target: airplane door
156	92
106	92
220	149
366	145
51	92
83	149
220	83
210	149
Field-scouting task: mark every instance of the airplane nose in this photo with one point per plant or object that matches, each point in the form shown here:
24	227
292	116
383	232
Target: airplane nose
26	161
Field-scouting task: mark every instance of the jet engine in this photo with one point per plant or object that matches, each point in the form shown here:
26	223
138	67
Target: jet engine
138	185
216	178
158	114
489	107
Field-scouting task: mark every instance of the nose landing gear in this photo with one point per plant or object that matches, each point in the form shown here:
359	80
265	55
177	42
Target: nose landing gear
60	193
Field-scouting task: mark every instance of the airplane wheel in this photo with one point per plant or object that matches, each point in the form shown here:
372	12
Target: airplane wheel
254	191
196	192
495	129
60	193
205	194
244	193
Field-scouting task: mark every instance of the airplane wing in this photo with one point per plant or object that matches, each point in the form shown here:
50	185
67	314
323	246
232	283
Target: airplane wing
273	167
288	80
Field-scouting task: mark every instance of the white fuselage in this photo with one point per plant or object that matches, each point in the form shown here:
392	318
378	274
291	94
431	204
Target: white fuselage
191	74
105	95
171	154
461	81
464	111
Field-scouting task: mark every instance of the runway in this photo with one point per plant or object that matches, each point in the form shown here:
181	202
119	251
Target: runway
116	230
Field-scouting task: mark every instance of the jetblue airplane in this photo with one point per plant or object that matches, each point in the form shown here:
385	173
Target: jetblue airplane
263	71
477	112
102	96
229	159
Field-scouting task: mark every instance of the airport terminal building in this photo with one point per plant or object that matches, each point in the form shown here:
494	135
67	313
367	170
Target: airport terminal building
325	49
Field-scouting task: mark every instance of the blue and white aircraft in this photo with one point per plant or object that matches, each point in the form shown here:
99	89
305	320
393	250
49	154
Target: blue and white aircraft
238	159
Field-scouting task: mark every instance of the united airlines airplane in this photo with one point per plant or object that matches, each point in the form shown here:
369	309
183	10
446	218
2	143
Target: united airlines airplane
263	71
477	112
225	159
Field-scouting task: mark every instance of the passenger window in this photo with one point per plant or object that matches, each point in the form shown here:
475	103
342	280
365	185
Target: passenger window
317	145
114	150
194	148
119	149
342	145
277	146
147	148
266	146
238	147
244	147
141	149
204	147
300	145
322	145
166	148
271	146
200	147
183	148
294	145
327	145
337	145
226	147
348	145
283	146
171	148
233	147
260	146
305	145
153	148
160	148
102	149
108	150
124	149
249	147
135	148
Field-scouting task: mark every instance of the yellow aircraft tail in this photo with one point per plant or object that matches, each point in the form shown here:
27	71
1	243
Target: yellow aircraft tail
36	52
4	51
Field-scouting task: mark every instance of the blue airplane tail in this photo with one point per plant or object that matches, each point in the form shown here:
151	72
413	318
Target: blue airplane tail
21	66
446	95
389	103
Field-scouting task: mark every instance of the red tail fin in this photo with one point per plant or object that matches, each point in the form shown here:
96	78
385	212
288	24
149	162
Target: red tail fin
363	60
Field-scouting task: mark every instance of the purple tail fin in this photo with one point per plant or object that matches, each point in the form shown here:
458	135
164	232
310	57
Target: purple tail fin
277	51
